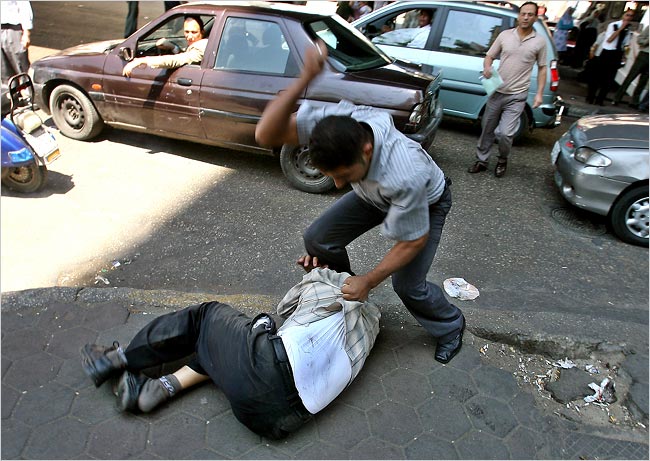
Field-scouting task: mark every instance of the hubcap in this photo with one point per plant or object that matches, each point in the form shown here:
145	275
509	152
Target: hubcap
21	175
304	167
636	218
72	112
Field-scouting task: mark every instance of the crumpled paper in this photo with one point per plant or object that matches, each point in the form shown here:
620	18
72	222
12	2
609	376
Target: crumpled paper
459	288
605	393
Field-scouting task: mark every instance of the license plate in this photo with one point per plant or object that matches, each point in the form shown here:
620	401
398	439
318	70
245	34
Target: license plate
52	157
555	153
43	144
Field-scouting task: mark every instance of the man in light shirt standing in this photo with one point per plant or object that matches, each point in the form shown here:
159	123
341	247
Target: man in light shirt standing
275	377
17	23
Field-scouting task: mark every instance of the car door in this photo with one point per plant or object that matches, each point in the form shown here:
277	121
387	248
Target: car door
462	41
164	101
252	63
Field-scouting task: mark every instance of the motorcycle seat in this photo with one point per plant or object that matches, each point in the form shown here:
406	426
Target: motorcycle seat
27	121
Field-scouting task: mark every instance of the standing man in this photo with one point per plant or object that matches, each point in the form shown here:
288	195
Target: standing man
131	23
519	49
609	58
395	183
639	69
17	23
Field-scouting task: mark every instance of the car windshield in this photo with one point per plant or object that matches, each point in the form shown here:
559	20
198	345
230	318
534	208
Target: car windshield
347	46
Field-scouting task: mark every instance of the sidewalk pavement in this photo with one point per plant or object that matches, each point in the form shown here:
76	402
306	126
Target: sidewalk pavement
484	404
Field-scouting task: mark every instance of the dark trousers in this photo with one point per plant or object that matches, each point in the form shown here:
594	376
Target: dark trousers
603	75
249	365
15	59
639	69
131	24
349	218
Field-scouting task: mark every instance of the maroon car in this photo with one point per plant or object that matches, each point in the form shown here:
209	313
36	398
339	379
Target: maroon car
254	51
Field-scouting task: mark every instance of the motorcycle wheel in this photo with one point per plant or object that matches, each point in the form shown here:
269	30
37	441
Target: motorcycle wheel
25	179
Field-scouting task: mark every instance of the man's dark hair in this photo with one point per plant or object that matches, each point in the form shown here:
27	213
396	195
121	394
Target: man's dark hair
336	141
197	19
529	3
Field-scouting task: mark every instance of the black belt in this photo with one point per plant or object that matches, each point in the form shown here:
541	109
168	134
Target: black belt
447	184
12	26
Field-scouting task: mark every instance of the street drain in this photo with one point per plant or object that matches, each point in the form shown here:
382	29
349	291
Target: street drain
578	222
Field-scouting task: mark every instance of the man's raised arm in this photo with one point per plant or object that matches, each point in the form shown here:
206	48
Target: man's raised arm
278	123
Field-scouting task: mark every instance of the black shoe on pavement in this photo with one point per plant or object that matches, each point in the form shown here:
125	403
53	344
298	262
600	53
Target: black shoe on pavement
500	169
101	362
128	391
448	350
477	167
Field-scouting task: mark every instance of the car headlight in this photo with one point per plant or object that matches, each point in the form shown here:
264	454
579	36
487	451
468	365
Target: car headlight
591	157
416	115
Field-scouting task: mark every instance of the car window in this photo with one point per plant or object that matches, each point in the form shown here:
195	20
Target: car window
172	31
347	48
469	33
253	45
405	28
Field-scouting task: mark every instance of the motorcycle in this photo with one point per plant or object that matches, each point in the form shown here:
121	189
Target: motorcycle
28	145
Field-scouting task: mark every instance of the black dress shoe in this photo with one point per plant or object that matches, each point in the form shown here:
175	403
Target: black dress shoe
447	350
477	167
128	391
500	169
101	362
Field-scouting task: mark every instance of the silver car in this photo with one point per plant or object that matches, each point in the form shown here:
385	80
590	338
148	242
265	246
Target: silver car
601	165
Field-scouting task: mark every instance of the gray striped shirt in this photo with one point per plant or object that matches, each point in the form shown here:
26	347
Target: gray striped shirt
403	180
312	300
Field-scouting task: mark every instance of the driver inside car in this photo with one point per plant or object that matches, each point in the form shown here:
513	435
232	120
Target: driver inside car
194	33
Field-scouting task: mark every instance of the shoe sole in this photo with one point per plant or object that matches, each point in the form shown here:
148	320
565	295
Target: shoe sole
88	366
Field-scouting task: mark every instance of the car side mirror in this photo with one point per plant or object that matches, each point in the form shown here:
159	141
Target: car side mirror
125	53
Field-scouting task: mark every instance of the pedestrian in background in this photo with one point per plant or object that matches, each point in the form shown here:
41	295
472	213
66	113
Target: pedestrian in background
131	24
17	23
639	69
588	32
519	49
609	58
561	33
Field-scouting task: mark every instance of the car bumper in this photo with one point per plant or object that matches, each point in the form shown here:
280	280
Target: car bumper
549	115
585	186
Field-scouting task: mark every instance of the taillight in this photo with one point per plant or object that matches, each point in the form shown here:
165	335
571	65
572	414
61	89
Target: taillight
555	76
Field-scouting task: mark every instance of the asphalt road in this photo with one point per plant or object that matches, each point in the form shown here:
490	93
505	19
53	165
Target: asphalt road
182	216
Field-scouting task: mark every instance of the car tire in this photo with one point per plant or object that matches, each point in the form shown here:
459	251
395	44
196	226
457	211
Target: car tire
74	113
25	179
523	127
298	169
629	216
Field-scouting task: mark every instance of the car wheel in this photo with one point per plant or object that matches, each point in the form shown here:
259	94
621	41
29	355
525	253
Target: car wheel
629	216
298	169
74	113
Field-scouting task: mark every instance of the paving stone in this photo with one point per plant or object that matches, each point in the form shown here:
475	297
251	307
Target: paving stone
66	343
427	446
406	387
61	316
451	427
45	443
18	344
374	448
491	415
71	374
496	383
206	402
121	437
228	436
481	445
177	435
33	371
265	451
393	336
16	320
14	435
93	405
394	422
586	446
103	316
9	398
380	362
5	363
637	401
451	383
206	453
346	435
527	414
572	384
636	365
56	399
467	359
318	449
524	443
418	355
365	392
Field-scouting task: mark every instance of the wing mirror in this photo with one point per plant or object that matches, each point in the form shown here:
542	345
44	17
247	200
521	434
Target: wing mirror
125	53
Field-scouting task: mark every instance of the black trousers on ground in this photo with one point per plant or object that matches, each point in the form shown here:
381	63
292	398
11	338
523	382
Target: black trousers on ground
249	365
603	76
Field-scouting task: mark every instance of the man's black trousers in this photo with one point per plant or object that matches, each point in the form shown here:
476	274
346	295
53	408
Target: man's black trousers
249	365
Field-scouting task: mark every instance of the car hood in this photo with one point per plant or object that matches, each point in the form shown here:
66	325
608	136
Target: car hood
611	131
396	74
90	48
